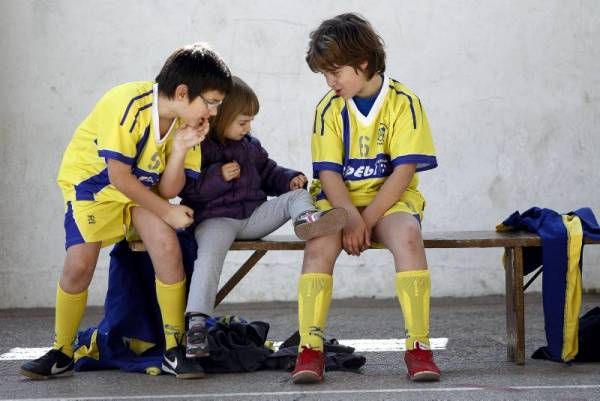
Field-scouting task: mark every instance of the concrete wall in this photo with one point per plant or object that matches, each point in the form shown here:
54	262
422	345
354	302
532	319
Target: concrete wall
511	89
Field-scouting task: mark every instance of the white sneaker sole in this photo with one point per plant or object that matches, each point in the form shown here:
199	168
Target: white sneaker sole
426	376
306	377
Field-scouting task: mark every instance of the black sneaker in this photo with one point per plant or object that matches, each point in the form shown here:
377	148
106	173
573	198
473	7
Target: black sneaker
313	223
53	363
196	345
175	363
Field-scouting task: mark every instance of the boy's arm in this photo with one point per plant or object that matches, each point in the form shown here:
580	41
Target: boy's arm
389	193
356	237
173	177
120	176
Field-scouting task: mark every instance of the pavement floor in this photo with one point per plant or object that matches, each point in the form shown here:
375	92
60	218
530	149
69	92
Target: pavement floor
473	362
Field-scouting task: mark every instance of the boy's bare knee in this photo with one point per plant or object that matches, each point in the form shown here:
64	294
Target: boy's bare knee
321	253
411	232
407	237
166	248
76	275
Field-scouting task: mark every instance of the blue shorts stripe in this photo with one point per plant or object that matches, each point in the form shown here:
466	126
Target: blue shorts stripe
72	234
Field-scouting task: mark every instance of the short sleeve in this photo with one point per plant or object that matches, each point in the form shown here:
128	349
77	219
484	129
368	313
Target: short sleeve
411	140
327	145
115	141
193	161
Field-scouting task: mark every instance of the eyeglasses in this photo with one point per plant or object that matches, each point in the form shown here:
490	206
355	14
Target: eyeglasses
211	104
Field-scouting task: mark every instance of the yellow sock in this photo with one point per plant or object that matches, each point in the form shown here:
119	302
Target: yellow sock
153	371
413	289
314	298
171	300
69	312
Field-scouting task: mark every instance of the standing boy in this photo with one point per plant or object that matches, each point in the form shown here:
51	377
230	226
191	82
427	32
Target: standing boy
370	138
126	159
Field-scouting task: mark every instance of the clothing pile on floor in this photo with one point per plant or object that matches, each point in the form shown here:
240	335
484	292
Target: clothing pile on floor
130	336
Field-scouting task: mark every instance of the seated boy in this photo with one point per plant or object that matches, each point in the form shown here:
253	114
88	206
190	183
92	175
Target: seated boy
125	160
370	137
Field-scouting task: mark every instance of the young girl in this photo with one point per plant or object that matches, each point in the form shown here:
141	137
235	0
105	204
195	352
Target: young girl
229	199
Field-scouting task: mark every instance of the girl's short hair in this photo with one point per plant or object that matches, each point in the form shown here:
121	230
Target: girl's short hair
347	39
241	99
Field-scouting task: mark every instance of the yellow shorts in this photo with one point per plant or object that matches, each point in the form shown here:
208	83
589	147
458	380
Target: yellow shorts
92	221
411	202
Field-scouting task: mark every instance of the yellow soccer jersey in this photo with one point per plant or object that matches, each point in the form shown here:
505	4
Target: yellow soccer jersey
366	149
124	126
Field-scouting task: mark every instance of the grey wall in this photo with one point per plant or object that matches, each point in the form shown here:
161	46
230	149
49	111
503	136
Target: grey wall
511	89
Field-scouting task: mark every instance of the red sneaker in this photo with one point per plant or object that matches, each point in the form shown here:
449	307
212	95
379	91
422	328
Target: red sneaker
310	365
420	364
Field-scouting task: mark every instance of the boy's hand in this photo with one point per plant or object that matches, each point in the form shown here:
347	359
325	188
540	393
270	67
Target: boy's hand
370	223
179	217
356	237
187	137
298	182
230	171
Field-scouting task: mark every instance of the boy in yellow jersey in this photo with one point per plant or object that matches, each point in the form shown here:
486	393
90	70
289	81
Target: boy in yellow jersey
370	137
126	159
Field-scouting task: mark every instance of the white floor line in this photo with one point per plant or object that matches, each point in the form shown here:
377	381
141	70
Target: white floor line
360	345
324	392
20	354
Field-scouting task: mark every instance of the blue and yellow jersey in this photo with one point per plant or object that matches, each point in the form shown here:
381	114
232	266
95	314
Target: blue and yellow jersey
366	149
124	126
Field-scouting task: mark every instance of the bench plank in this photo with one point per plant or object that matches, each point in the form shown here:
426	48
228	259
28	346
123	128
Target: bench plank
454	239
450	239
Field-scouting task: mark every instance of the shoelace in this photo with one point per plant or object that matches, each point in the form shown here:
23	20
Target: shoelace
196	334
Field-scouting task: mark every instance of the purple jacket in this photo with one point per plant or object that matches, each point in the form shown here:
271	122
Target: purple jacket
211	196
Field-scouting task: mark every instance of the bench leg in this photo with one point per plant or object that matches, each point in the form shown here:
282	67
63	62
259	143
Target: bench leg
515	305
238	275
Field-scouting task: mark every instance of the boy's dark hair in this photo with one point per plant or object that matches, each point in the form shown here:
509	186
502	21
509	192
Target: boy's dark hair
241	99
347	39
197	66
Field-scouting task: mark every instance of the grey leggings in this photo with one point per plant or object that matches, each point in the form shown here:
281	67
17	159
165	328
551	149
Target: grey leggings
215	236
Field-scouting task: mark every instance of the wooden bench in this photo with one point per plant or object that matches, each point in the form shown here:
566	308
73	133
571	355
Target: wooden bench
513	243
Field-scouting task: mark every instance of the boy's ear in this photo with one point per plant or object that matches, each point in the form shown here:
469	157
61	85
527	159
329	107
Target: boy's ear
181	92
363	65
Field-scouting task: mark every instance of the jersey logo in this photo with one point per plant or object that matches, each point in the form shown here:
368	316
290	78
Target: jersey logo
363	142
381	131
91	219
359	169
156	159
146	179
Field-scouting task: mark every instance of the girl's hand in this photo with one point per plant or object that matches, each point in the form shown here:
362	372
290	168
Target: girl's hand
298	182
230	171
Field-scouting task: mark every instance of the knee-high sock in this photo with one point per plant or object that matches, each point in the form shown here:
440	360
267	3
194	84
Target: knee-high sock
67	317
314	298
413	289
171	300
